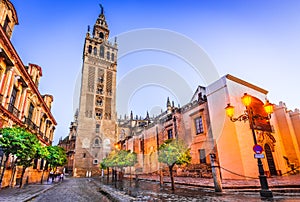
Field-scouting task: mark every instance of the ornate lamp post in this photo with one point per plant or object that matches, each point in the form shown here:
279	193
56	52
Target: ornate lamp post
249	115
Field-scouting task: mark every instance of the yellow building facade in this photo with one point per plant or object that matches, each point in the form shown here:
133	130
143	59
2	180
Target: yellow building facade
21	103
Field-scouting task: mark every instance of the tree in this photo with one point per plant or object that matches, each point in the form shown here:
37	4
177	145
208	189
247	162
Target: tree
120	159
57	156
26	155
174	152
42	153
22	144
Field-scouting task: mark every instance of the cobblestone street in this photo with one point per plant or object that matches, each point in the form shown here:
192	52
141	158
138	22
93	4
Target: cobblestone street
97	189
72	189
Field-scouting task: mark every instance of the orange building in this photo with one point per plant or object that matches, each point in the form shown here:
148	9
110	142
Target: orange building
204	126
21	103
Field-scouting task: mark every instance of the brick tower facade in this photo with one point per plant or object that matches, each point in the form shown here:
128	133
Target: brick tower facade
97	127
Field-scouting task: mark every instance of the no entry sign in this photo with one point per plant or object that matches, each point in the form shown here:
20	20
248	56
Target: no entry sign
258	149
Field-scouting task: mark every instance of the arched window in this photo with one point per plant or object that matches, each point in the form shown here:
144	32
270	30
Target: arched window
113	57
108	55
101	35
90	49
95	51
97	142
102	51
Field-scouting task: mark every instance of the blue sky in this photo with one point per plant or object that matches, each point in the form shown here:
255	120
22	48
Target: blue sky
257	41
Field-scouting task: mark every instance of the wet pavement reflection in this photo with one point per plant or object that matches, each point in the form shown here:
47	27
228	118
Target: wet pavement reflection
144	190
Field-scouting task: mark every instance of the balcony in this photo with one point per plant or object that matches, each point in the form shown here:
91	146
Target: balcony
30	124
12	109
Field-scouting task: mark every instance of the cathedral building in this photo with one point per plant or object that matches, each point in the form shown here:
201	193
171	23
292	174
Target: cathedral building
21	103
202	123
96	130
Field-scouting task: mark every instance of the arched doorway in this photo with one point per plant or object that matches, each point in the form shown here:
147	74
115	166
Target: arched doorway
270	160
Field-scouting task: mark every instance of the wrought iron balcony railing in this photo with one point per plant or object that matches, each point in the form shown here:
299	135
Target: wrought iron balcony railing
12	109
30	124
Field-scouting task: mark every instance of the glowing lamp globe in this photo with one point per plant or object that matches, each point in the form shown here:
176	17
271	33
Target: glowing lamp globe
229	110
268	107
246	99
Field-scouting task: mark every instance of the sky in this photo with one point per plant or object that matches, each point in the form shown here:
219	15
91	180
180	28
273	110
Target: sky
255	40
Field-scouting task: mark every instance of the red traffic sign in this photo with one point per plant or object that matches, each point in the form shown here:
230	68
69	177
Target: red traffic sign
258	149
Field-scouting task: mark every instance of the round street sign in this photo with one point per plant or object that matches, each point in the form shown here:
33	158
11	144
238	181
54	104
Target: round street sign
258	149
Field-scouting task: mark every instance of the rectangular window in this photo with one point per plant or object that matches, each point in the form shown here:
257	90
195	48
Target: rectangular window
170	134
12	101
13	96
30	112
199	125
202	156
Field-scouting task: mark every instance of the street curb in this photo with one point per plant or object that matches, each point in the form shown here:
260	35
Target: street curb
40	192
283	188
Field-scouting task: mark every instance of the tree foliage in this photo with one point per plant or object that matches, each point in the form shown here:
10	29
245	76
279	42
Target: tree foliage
57	156
22	144
173	152
121	158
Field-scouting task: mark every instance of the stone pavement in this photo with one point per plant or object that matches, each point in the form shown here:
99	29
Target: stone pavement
26	193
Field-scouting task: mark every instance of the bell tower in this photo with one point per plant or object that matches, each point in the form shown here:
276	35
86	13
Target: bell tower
97	119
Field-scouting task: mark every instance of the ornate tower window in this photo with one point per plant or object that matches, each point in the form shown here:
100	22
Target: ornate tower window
101	35
99	101
100	89
97	128
98	114
112	57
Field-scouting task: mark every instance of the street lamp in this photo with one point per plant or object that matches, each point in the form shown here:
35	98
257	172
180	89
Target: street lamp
249	115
